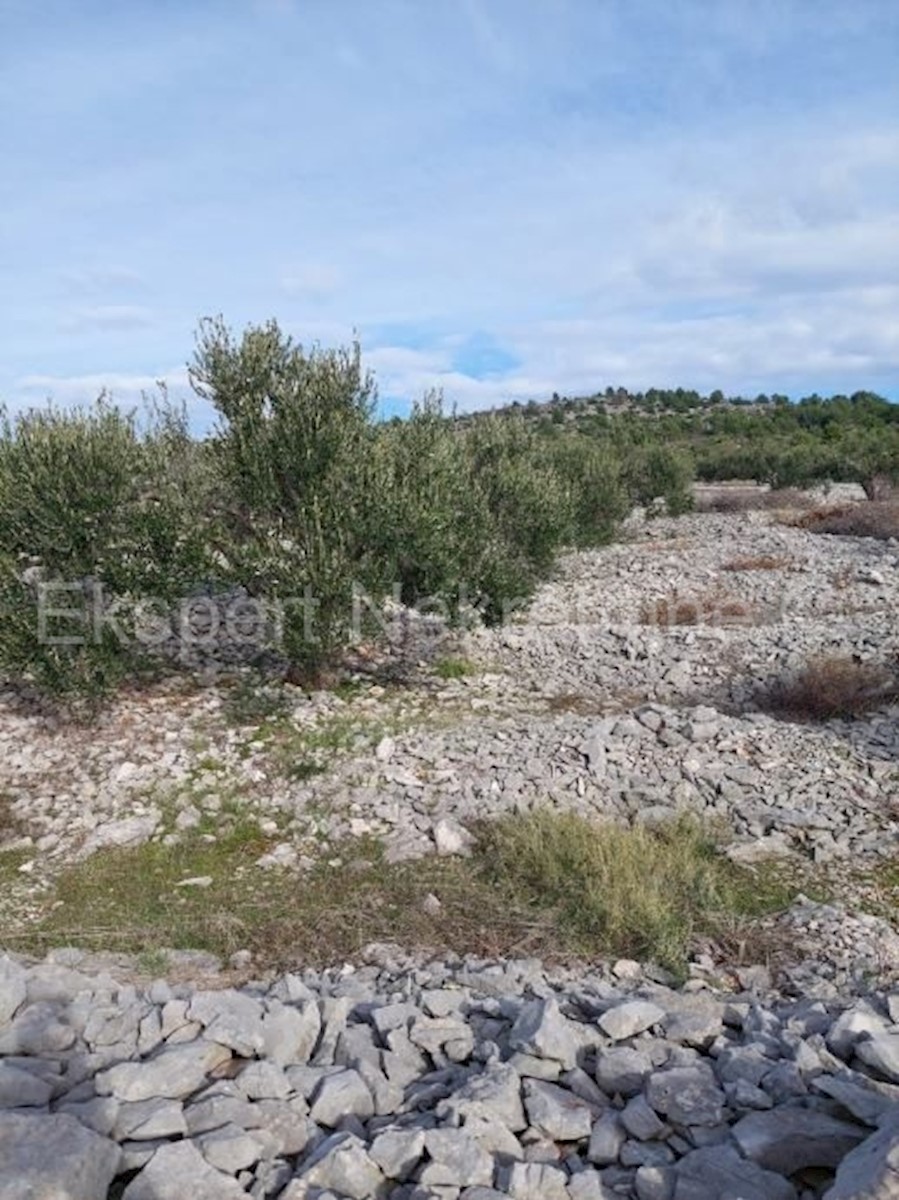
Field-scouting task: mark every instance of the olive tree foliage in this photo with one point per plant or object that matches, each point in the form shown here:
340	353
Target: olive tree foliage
96	519
292	450
653	471
429	531
298	496
466	519
531	509
592	474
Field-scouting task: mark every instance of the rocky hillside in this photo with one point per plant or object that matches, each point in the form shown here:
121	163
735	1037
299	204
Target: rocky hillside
735	668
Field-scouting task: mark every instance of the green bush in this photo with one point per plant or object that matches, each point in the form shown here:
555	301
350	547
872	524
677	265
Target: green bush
474	515
293	450
527	498
655	471
94	520
429	523
592	474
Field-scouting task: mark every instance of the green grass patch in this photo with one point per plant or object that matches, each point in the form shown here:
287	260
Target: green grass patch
130	898
644	893
546	884
454	668
299	752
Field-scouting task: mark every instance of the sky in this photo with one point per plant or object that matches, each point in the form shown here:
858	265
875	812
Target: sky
499	198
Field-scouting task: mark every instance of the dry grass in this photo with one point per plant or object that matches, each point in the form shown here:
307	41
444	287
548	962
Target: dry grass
872	518
842	578
547	884
647	893
831	686
761	562
715	607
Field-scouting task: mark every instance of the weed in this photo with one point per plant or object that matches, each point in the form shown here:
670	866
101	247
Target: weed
830	686
12	826
454	668
132	901
641	892
349	689
842	578
299	751
153	962
548	884
250	702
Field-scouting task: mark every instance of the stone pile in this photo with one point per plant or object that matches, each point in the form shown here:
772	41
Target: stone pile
408	1079
770	597
578	704
454	1080
789	787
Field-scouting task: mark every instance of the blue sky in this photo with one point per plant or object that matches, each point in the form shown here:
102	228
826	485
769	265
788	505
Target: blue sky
503	198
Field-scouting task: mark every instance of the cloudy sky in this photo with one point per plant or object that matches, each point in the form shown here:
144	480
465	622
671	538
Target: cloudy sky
502	197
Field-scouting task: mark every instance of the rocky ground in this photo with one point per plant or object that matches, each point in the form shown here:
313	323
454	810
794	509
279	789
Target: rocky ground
427	1077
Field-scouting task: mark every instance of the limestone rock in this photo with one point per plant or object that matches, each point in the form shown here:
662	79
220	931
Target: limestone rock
177	1170
53	1158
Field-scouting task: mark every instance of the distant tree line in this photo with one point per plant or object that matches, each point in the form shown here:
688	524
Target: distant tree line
769	439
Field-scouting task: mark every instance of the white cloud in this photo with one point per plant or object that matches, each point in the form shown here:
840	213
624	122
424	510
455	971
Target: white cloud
107	317
312	280
623	192
853	340
84	389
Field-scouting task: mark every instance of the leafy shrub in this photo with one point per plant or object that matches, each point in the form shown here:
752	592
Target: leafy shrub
475	515
597	499
292	448
297	500
656	471
93	520
530	513
432	524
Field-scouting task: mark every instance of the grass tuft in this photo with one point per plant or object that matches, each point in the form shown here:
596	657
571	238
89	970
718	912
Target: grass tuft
645	893
828	687
454	668
250	702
